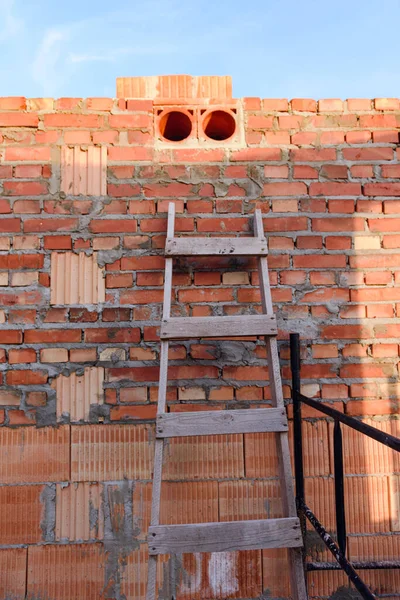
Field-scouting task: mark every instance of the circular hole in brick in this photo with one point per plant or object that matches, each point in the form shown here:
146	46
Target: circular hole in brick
175	126
219	125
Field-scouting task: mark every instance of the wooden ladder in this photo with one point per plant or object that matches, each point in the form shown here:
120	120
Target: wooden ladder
235	535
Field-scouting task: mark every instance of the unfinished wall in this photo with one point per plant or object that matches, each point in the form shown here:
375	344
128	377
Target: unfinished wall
84	188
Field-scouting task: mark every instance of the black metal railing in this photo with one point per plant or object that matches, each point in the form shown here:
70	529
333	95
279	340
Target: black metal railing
337	549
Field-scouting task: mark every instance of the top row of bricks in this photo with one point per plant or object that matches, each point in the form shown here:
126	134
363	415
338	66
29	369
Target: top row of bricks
307	105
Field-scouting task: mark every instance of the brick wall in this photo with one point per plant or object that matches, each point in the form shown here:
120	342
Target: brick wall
85	186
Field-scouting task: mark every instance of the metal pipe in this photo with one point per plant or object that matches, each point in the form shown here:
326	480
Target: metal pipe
384	438
343	562
339	487
328	566
298	438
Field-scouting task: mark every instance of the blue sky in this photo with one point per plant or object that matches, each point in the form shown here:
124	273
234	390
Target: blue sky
291	48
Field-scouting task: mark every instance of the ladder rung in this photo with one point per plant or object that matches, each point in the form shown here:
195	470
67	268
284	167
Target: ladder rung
209	422
211	327
216	247
225	537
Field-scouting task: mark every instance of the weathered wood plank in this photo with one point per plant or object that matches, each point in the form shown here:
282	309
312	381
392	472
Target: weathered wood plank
225	537
297	579
211	327
210	422
151	591
215	246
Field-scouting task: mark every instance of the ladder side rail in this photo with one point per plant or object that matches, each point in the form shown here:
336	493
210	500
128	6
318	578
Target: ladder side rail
297	575
161	405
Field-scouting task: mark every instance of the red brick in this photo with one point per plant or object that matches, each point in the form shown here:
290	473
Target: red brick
206	295
77	137
364	171
334	391
120	281
138	120
338	224
385	350
142	263
378	278
82	315
358	137
285	189
168	190
256	154
356	104
68	103
129	154
113	225
116	314
330	105
26	355
28	171
346	332
365	370
381	189
304	104
20	417
101	104
73	120
387	104
275	104
335	189
371	407
375	311
150	279
308	242
52	336
11	336
378	120
5	207
384	224
391	241
111	335
24	188
23	377
48	225
141	296
252	103
27	206
334	171
12	103
133	413
123	190
331	138
31	153
313	154
341	206
18	119
375	295
259	122
57	242
368	153
385	137
369	206
199	206
338	243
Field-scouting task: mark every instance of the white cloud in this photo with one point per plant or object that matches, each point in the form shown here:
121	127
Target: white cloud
113	55
9	25
46	68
